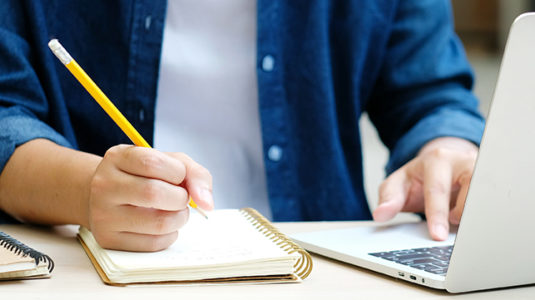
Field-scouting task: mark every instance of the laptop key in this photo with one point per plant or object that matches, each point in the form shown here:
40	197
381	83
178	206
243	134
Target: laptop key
442	257
410	256
424	261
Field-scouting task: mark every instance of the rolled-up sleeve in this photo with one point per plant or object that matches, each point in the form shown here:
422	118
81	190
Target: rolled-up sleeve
18	126
424	90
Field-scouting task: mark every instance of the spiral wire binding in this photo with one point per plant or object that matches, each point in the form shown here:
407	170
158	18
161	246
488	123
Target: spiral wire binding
13	245
303	266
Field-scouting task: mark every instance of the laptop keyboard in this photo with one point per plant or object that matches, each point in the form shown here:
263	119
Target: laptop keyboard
433	259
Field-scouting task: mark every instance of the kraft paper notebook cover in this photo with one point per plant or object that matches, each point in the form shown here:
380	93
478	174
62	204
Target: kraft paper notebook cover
231	246
18	261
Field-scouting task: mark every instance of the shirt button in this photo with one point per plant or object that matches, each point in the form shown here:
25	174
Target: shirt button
148	21
142	115
268	63
275	153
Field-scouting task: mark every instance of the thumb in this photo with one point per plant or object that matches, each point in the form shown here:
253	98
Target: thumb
392	196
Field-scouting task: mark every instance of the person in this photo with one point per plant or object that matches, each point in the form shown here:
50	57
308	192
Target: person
265	96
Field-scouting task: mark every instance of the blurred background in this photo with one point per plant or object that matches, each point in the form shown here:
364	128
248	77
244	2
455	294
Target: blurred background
483	26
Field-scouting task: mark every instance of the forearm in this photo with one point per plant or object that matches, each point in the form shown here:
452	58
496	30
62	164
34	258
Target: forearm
47	184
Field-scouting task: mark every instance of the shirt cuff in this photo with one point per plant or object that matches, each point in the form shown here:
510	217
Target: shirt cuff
18	126
446	122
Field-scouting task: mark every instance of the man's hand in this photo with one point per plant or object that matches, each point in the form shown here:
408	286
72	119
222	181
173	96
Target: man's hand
435	182
138	197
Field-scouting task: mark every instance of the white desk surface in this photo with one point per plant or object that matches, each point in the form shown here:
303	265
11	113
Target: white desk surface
75	278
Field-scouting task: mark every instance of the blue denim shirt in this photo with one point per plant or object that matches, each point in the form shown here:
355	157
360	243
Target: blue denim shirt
320	65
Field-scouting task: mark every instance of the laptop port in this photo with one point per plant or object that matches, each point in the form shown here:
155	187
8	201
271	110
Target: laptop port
401	274
413	277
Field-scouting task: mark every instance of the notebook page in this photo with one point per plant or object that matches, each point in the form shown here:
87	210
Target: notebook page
227	237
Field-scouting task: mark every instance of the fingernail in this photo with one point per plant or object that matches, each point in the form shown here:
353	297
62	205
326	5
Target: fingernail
440	231
207	197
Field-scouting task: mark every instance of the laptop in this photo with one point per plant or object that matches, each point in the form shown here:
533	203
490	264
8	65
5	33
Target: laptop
494	245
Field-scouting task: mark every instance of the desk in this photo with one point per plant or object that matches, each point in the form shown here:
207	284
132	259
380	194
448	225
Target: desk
75	278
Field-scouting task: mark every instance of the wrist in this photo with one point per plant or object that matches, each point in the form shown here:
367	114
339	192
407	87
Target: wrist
451	143
83	207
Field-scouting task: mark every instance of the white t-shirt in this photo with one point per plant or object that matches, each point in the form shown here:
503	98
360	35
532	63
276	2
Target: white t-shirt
207	105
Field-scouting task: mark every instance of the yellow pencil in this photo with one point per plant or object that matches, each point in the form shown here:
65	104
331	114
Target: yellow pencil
104	102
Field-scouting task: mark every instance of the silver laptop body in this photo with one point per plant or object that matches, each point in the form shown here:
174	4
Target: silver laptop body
495	242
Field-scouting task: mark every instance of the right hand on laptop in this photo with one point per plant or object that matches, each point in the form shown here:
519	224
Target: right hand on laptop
435	182
138	197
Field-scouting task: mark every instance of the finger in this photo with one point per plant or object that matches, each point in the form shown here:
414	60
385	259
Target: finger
147	162
128	241
152	193
129	189
148	221
437	187
198	181
457	211
392	195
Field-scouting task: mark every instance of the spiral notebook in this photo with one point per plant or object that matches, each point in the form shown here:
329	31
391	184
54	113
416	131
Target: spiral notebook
18	261
231	246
